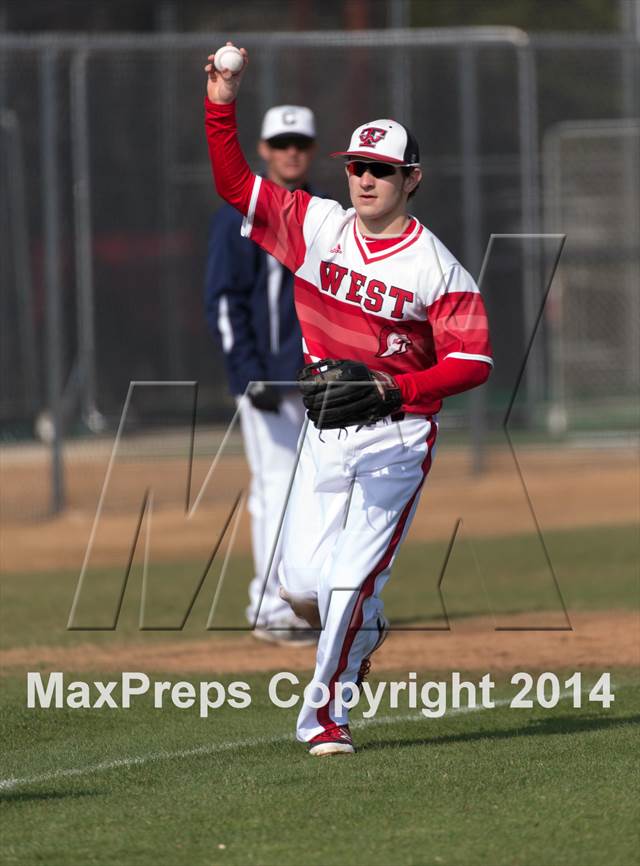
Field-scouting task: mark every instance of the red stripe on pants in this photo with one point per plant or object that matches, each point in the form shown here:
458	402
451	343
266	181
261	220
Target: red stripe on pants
368	585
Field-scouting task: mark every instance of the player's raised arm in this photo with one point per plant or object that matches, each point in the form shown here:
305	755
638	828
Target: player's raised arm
233	177
274	215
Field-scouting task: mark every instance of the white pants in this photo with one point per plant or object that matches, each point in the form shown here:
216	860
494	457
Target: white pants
352	501
270	442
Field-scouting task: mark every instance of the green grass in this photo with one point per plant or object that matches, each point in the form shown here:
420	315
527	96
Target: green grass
595	569
501	786
497	786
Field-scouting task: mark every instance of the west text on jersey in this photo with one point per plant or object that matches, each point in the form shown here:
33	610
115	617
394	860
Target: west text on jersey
368	293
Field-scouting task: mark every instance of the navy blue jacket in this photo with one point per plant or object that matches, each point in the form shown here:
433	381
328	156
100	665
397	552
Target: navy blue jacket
249	307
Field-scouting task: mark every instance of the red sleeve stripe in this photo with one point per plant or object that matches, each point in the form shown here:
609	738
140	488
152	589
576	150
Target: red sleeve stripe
452	303
456	323
459	324
472	343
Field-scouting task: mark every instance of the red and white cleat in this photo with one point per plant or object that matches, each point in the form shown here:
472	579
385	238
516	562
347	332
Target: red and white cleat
335	740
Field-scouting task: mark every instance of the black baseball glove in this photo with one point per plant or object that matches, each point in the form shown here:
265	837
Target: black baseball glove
347	393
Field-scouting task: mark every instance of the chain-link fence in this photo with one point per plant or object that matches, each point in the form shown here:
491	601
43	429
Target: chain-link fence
592	177
109	196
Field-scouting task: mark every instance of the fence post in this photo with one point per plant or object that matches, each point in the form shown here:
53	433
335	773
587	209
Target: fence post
53	289
168	282
631	112
399	18
18	231
472	222
557	414
530	208
81	174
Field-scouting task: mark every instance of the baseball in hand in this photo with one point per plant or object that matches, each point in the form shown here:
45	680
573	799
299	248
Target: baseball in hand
228	57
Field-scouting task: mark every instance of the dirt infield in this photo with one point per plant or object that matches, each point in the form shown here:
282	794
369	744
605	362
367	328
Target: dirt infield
568	488
603	640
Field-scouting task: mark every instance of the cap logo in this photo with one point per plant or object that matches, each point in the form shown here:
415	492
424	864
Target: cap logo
289	117
370	136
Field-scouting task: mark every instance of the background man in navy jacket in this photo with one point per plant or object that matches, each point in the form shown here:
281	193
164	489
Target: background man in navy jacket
249	308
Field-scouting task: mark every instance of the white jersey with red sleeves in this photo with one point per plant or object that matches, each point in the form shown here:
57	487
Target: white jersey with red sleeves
401	305
400	310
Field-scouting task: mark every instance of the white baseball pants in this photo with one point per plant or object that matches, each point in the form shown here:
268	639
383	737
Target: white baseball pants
270	442
353	498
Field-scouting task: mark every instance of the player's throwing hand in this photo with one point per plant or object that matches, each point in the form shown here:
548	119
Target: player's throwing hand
222	87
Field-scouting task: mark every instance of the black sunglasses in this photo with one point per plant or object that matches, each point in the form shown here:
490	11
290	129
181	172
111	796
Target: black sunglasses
285	142
377	169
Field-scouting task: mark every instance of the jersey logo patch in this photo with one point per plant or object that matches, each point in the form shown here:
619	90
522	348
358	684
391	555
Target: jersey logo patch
370	136
336	249
392	341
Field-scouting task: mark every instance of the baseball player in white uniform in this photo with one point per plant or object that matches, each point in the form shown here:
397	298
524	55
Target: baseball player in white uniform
375	287
249	307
